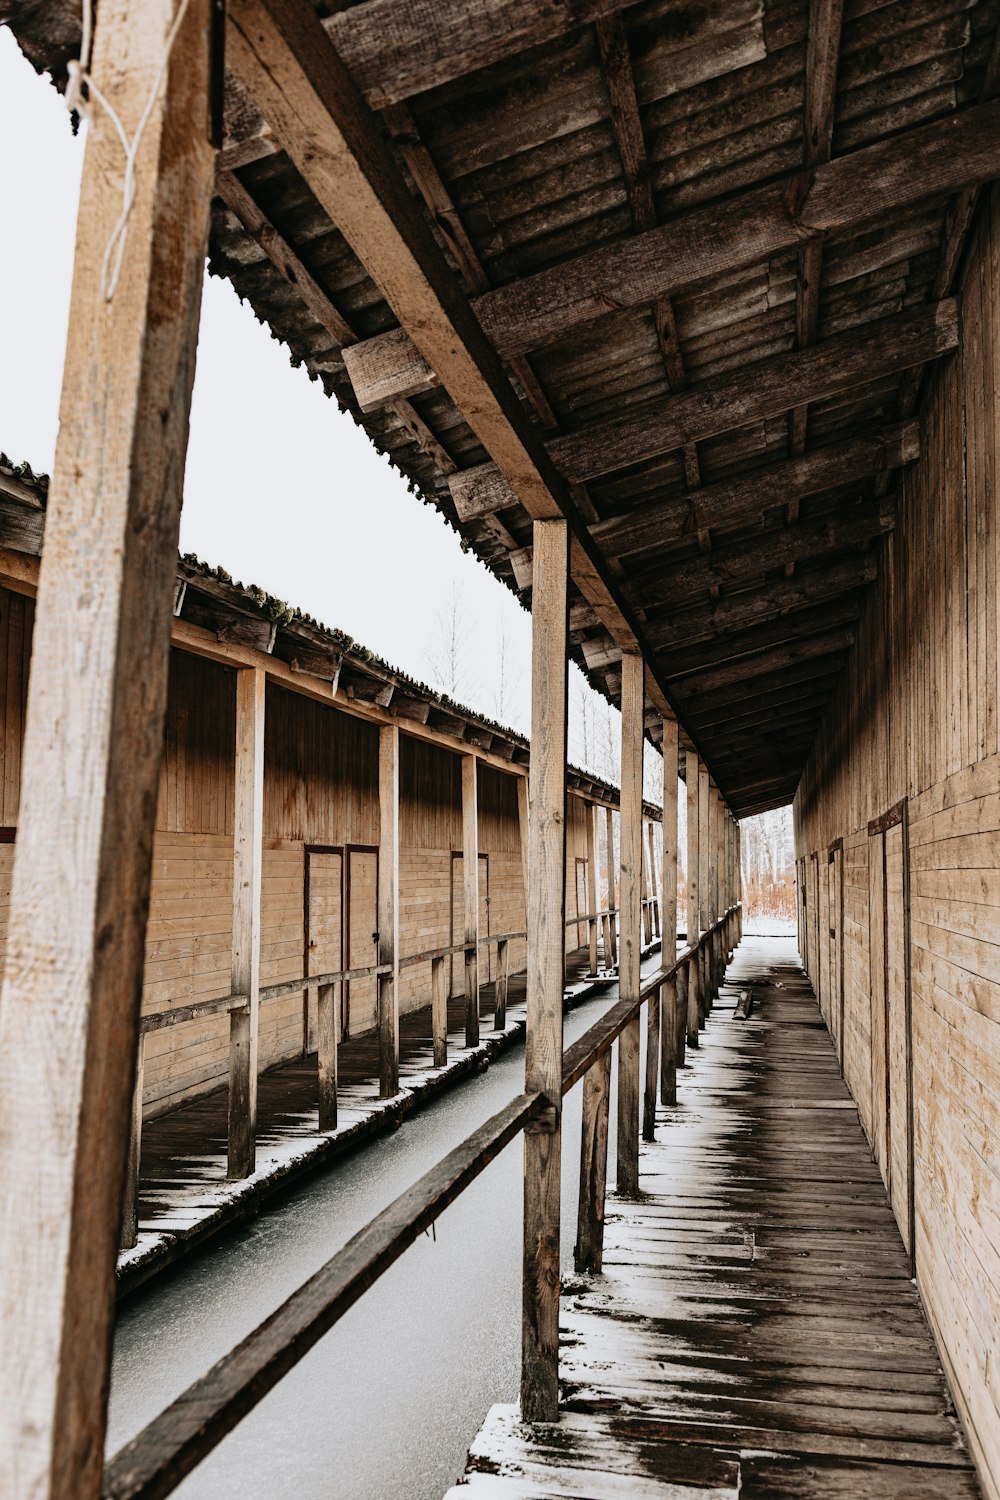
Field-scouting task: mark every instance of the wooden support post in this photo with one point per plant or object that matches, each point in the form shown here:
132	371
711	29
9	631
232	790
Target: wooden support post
644	887
72	986
653	1022
713	887
470	889
668	917
388	909
543	1061
693	890
739	884
682	1014
522	820
630	839
248	840
668	1042
592	885
439	1011
589	1252
656	907
693	1005
611	953
130	1210
327	1027
500	991
704	886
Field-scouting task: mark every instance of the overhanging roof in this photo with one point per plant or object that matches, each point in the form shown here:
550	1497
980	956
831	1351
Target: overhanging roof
712	245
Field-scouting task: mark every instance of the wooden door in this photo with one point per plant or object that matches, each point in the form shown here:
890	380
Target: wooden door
835	905
361	900
822	939
458	920
899	1107
323	928
877	991
892	1039
581	901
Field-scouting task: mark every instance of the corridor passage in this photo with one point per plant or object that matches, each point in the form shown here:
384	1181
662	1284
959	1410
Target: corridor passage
755	1332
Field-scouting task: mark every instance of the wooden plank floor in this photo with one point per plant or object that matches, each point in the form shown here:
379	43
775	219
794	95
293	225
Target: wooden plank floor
755	1333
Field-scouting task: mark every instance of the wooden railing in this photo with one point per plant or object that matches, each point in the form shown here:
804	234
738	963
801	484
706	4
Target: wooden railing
327	988
173	1443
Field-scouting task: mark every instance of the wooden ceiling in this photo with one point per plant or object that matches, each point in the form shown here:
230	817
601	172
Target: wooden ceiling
672	270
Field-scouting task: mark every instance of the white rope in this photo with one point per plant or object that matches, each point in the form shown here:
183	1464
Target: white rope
80	91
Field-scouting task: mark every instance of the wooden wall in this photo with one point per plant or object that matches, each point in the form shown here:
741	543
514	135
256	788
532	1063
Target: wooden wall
320	794
915	717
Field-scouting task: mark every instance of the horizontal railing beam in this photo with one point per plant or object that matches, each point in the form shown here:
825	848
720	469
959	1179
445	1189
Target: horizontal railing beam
169	1447
166	1450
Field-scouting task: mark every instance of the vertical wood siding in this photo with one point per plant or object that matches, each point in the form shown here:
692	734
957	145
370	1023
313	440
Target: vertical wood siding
915	715
320	789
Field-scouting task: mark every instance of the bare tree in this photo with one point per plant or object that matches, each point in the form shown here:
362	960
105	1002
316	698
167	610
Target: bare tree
509	677
447	662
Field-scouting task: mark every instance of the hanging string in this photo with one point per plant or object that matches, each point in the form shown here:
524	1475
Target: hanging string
81	90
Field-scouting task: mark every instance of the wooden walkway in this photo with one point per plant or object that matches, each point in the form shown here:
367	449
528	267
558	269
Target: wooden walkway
184	1195
755	1333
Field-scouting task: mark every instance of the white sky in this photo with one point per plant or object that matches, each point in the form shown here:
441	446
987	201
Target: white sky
282	490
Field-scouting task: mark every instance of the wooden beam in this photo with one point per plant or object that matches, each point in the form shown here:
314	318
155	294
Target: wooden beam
653	879
630	920
470	890
278	51
810	678
279	252
768	388
616	63
832	642
773	712
929	162
388	909
746	562
670	1031
394	50
522	824
248	841
94	736
755	392
590	813
611	931
822	51
546	963
693	915
242	205
844	609
779	599
748	499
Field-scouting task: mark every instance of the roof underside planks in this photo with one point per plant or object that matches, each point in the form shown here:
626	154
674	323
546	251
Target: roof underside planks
712	246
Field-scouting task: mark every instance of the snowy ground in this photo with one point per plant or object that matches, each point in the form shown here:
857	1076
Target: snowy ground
768	927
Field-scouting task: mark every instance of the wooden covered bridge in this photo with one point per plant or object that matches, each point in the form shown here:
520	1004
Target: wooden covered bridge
683	316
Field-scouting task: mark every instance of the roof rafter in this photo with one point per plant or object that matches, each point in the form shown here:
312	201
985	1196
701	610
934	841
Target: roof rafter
929	162
279	51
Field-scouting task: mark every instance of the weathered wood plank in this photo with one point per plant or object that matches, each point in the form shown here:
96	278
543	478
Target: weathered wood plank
543	1064
777	383
630	919
470	895
94	737
279	52
588	1254
248	836
933	160
388	909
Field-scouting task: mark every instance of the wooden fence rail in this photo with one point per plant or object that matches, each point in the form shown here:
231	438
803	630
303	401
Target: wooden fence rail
327	990
160	1456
